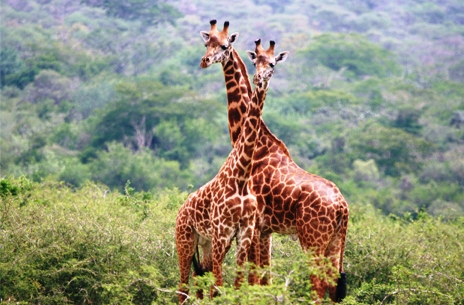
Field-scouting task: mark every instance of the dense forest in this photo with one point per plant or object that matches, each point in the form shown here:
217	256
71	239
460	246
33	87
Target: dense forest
372	95
104	106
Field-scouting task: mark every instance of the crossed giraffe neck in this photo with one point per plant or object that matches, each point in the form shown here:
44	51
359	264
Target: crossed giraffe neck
290	200
225	207
220	50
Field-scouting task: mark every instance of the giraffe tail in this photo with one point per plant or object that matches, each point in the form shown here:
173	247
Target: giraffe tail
341	287
343	224
197	268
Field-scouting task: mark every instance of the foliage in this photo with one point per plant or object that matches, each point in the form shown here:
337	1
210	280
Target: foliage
394	150
111	92
352	52
90	244
374	105
390	259
85	249
148	11
150	115
9	64
119	165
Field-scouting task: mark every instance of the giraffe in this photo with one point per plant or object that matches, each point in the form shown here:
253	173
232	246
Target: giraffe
225	207
290	200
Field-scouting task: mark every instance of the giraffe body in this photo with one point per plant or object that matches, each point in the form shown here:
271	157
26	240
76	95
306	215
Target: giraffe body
225	208
290	200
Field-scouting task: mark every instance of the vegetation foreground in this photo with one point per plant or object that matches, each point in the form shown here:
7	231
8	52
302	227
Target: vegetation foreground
60	245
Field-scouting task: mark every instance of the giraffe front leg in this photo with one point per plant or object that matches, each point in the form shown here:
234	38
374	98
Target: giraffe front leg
185	244
265	258
245	239
254	257
220	247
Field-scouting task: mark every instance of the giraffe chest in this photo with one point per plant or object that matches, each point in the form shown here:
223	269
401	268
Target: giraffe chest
222	205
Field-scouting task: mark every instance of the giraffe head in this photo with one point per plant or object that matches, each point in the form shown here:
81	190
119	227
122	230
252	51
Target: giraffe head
218	44
264	61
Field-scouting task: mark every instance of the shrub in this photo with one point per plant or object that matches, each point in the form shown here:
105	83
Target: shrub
89	245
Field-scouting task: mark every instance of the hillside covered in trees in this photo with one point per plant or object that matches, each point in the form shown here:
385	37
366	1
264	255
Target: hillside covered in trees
371	97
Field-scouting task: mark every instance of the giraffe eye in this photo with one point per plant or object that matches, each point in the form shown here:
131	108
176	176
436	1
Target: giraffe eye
206	45
272	65
224	47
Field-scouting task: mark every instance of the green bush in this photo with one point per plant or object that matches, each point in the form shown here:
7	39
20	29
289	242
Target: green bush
89	245
397	260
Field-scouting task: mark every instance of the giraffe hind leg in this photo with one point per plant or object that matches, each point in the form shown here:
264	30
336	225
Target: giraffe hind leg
309	243
206	262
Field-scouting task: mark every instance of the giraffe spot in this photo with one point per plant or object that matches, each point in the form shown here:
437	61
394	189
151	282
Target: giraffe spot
266	189
234	92
260	153
243	107
234	116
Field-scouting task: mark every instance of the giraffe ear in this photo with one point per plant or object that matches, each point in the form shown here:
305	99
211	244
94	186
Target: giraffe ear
233	38
251	55
204	35
282	56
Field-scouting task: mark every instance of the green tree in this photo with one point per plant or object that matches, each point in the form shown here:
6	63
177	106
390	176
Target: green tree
393	150
145	171
9	64
48	85
150	12
408	120
32	66
147	114
352	52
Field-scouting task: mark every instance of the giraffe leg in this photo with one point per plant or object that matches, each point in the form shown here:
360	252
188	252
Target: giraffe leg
265	258
334	257
254	257
220	247
307	227
185	244
244	242
206	262
335	252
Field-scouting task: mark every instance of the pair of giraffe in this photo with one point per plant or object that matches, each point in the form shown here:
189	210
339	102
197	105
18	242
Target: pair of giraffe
259	189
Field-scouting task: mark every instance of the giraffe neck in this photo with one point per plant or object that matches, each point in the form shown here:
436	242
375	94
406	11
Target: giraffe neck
238	93
247	141
238	97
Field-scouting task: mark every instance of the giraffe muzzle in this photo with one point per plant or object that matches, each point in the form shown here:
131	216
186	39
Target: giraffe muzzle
205	62
257	80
